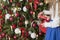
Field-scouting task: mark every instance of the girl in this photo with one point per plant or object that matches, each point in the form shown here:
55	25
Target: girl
53	28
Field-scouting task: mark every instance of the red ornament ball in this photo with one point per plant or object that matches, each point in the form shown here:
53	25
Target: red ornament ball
22	18
20	23
2	21
40	33
14	26
34	25
31	12
14	37
11	19
3	34
0	12
10	11
1	16
17	14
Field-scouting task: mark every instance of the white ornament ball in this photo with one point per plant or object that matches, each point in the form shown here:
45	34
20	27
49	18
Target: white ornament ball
17	31
14	10
20	0
41	3
30	32
7	16
26	22
4	0
33	35
24	9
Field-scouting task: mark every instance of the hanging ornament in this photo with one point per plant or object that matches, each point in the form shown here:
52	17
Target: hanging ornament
36	2
31	12
34	25
0	12
1	16
10	11
22	18
28	6
7	16
23	31
35	6
30	32
15	37
3	34
17	31
20	0
41	4
24	9
42	27
33	35
11	19
14	26
20	23
17	14
46	1
4	0
10	1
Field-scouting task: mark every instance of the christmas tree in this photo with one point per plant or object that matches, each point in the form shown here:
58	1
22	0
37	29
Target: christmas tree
19	21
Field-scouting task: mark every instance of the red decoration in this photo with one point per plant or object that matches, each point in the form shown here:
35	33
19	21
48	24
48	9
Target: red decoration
43	17
14	37
10	12
2	21
40	33
28	6
26	34
35	4
23	31
22	18
20	23
29	0
3	34
11	1
34	25
31	12
42	28
1	16
11	19
17	14
14	26
5	7
0	12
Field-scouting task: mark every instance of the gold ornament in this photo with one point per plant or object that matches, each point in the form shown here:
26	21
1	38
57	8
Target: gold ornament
46	1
